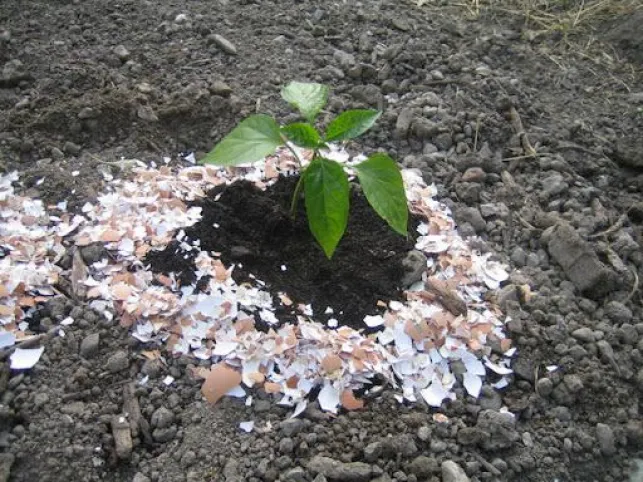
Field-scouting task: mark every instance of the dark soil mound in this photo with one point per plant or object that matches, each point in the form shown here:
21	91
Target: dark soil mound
253	229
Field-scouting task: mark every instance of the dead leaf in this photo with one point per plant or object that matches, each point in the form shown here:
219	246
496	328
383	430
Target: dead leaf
221	379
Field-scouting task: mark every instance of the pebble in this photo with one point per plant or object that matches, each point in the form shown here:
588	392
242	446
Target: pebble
584	334
87	113
414	264
472	216
219	87
501	427
443	141
424	433
423	466
71	148
291	426
90	345
403	123
579	261
119	361
146	113
617	312
122	437
573	382
286	445
162	418
606	440
294	475
334	469
544	387
122	53
474	174
57	154
41	399
224	44
6	462
139	477
164	434
452	472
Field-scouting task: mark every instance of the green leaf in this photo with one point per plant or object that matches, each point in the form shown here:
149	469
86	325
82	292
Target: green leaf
252	140
308	98
302	134
383	187
327	198
351	124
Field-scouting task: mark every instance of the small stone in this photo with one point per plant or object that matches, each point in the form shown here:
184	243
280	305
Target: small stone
146	113
119	361
93	253
424	129
89	346
580	262
57	154
152	368
71	148
444	141
344	59
87	113
544	387
452	472
605	350
139	477
403	123
41	399
501	427
294	475
618	312
414	264
162	418
424	433
122	53
291	427
373	451
401	24
573	382
164	435
219	87
286	445
584	334
181	18
6	462
606	440
13	72
122	437
634	431
423	466
336	470
224	44
474	174
472	216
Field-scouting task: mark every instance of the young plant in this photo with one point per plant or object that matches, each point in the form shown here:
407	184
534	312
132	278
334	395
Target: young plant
324	181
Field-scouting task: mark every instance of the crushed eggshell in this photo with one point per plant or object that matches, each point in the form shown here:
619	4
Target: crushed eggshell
220	380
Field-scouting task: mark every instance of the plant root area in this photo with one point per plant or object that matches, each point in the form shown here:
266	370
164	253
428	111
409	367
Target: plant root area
254	231
532	138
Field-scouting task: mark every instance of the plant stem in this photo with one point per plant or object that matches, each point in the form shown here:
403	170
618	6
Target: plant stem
295	195
300	183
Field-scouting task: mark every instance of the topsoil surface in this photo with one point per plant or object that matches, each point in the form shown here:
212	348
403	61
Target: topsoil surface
86	83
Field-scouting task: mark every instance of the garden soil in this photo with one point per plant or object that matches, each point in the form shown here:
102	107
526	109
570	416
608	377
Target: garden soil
558	196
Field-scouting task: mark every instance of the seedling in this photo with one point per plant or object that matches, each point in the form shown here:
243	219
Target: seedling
324	181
